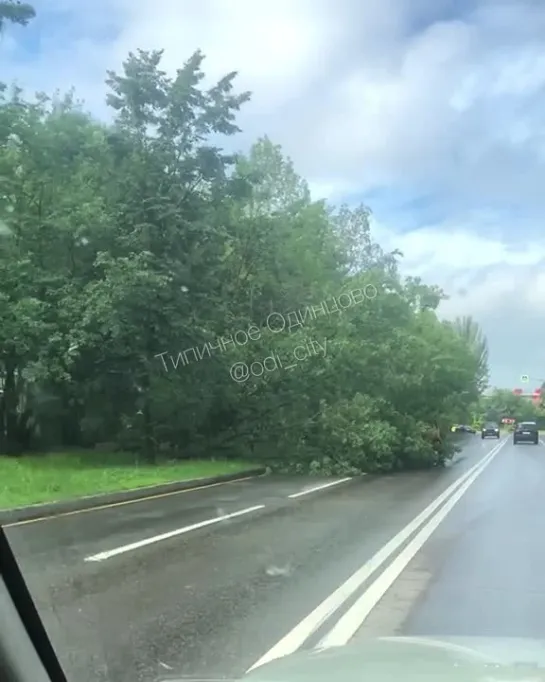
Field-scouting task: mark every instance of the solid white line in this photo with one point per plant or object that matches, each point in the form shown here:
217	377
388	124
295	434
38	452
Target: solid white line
303	630
352	620
319	487
171	534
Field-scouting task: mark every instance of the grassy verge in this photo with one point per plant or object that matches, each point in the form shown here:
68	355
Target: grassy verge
59	476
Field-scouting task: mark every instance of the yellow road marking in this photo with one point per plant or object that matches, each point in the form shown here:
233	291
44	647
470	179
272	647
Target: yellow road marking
125	502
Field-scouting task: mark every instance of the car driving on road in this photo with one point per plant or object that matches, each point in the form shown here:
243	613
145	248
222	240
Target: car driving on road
490	430
526	432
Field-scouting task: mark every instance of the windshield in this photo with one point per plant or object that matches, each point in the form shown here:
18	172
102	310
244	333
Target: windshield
266	270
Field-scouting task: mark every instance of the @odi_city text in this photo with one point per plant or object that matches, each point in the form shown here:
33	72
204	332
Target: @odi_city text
241	371
276	323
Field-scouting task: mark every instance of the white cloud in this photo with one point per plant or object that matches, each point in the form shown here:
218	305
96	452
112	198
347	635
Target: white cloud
273	44
502	286
425	95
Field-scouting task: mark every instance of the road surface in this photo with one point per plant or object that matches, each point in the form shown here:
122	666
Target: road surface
211	582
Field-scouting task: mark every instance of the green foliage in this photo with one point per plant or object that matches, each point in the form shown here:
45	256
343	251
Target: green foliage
473	335
15	12
127	250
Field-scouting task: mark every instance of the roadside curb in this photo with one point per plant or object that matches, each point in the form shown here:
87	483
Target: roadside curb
50	509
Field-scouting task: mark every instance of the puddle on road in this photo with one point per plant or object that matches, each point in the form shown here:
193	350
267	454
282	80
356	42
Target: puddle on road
274	571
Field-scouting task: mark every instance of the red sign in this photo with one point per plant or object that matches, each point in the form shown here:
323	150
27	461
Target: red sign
517	391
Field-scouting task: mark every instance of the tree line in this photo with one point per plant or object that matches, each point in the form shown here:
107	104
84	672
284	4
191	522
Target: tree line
162	294
505	404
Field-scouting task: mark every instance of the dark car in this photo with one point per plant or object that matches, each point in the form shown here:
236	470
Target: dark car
490	430
526	432
463	428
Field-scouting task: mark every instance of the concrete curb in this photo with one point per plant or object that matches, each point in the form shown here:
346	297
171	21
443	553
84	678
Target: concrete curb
49	509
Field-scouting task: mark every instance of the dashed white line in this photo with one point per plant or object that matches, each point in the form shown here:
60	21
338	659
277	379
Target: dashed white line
102	556
319	487
303	630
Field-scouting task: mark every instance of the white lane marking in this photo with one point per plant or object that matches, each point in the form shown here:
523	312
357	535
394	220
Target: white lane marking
303	630
347	626
319	487
102	556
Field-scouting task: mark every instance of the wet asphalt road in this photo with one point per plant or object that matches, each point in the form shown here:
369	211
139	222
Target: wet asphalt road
214	599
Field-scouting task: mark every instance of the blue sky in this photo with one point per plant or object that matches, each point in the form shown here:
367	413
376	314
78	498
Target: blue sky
429	111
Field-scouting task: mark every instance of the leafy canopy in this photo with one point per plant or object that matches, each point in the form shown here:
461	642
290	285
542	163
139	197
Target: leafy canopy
140	260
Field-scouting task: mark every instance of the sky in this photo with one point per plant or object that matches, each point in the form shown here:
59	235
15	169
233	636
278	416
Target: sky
431	112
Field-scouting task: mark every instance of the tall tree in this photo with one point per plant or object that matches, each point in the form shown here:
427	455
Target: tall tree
139	262
473	335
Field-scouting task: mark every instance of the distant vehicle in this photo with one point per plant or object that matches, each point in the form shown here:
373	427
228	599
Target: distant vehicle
463	428
526	432
490	430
